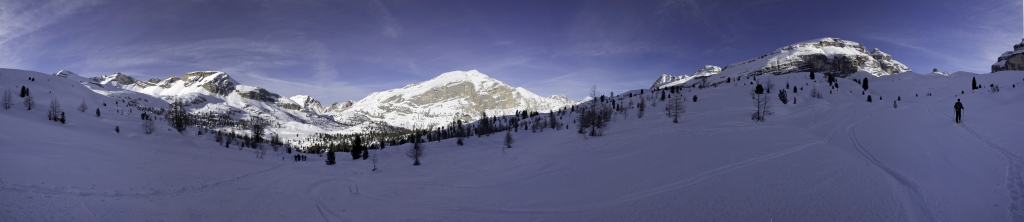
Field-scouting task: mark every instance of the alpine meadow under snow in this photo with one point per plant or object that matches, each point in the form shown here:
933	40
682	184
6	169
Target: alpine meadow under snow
833	157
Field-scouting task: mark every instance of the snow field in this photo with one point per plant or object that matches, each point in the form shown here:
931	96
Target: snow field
834	159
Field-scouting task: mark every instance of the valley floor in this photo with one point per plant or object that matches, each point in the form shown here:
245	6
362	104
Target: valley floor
834	159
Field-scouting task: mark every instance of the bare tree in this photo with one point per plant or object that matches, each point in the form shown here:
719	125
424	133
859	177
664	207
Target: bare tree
29	102
593	117
54	112
374	157
82	107
258	126
148	126
762	102
416	152
674	108
177	117
7	99
641	107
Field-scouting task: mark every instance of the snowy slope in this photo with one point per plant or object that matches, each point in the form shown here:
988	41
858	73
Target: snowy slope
839	158
826	55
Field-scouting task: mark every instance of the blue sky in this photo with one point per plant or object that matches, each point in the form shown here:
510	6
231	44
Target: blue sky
338	50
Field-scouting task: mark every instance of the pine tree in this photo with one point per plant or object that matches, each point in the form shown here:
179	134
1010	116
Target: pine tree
62	117
864	83
357	148
974	83
366	153
783	97
694	98
330	157
869	98
812	75
117	129
82	107
24	92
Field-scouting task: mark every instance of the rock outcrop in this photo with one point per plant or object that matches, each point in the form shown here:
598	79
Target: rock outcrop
830	56
1011	60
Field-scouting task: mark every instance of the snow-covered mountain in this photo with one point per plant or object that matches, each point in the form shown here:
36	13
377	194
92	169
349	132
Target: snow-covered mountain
1011	60
460	94
463	95
218	93
308	103
826	55
667	80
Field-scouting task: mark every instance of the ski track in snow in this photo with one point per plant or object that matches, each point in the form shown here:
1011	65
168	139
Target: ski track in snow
1014	169
909	189
65	191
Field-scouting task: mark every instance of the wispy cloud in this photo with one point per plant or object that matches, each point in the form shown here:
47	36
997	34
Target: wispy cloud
21	18
972	45
391	27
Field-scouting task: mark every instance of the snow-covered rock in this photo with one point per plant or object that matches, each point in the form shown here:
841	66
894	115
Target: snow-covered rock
1011	60
667	80
65	74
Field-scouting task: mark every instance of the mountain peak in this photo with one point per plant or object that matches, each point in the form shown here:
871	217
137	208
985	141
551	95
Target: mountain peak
65	73
463	76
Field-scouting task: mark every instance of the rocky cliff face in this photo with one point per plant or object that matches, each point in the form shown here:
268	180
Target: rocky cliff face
831	56
1011	60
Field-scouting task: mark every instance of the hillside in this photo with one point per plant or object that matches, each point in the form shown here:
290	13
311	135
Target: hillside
830	159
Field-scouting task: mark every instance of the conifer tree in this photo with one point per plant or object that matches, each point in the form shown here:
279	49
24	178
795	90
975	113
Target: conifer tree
330	157
357	148
783	97
864	83
974	83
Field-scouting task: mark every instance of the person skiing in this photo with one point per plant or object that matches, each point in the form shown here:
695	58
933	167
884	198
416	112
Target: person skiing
959	108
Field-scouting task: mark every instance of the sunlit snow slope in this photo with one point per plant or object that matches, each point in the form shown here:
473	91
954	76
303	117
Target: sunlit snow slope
839	158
